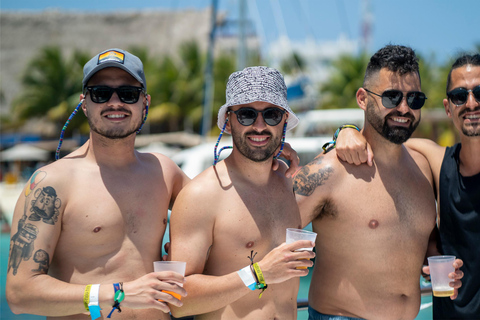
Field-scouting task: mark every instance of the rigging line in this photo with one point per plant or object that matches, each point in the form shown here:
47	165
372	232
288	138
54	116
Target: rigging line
299	13
259	22
343	20
305	12
281	25
279	21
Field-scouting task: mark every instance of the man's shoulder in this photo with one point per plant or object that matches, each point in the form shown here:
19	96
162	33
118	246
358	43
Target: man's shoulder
326	161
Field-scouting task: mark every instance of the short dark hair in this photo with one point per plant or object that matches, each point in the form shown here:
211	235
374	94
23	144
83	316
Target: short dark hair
395	58
463	60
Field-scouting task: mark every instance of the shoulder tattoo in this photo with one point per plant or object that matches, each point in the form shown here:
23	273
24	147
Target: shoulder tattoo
42	204
306	181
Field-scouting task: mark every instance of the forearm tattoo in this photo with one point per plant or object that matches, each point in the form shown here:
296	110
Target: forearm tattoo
306	181
42	205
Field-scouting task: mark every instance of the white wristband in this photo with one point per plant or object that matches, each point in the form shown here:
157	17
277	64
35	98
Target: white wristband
94	291
247	277
93	302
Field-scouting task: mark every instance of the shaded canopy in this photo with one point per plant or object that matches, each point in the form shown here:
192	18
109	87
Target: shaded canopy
24	152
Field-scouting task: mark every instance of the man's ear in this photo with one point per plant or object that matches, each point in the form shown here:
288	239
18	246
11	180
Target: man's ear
446	104
362	98
228	120
84	105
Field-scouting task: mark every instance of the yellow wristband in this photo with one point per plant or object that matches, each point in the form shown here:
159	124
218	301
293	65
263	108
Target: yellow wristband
259	273
86	296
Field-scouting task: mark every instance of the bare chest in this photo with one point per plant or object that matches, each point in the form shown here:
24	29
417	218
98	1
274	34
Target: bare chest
402	202
252	223
107	214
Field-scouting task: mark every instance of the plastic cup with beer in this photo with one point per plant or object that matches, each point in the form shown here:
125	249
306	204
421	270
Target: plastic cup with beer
175	266
294	234
440	267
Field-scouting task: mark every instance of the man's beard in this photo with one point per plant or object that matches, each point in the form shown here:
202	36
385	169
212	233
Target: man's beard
395	134
113	133
470	130
257	154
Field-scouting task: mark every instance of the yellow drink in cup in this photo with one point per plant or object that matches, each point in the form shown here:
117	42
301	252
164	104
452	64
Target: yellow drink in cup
294	234
440	267
175	266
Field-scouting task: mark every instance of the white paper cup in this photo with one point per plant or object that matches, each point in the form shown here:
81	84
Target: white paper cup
440	267
176	266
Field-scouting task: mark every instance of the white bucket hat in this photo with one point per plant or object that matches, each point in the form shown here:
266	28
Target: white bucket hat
256	84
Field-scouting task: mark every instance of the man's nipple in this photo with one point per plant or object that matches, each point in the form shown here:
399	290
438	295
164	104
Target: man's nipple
97	229
250	244
373	224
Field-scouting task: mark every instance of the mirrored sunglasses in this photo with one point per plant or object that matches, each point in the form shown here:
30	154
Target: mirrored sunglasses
248	116
459	96
392	98
126	94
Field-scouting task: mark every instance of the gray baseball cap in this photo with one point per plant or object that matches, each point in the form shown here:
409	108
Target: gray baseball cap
116	58
256	84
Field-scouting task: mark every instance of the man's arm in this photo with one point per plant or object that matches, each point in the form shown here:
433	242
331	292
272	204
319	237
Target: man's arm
307	185
191	231
434	154
36	229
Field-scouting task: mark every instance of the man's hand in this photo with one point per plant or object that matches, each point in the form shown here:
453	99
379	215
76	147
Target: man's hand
292	156
145	292
352	147
456	276
281	263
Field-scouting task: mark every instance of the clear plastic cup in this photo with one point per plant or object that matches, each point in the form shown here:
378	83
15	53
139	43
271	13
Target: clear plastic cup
294	234
176	266
440	267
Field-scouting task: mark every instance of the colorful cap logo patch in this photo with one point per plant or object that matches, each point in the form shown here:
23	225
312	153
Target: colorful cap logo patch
111	56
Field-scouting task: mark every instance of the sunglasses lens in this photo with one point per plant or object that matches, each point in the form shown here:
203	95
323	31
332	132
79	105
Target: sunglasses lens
391	98
459	96
272	116
416	100
246	116
476	93
128	94
101	94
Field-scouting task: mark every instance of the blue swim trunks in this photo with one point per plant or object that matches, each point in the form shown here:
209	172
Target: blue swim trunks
315	315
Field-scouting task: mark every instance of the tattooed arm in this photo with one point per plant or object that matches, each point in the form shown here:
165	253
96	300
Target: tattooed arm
37	227
312	185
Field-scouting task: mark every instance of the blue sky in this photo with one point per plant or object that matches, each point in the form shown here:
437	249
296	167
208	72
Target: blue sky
439	27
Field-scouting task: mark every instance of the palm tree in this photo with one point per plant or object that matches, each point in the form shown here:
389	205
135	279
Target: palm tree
51	85
347	76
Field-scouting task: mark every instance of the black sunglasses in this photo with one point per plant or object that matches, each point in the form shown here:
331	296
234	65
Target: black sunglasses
126	94
392	98
247	116
459	96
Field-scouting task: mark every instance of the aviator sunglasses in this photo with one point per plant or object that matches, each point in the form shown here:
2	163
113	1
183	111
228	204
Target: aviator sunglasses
392	98
126	94
248	116
459	96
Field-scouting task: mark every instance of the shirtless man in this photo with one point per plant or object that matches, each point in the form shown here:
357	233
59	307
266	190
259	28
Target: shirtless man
236	213
373	223
98	215
456	172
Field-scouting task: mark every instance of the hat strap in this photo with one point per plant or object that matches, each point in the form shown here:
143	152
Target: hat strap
144	119
217	156
62	133
283	141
